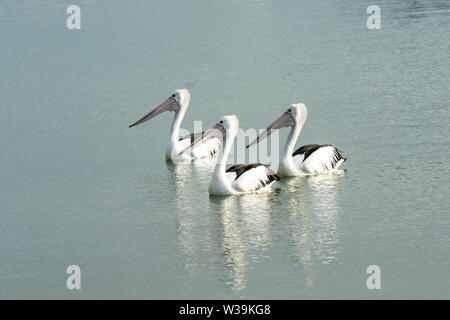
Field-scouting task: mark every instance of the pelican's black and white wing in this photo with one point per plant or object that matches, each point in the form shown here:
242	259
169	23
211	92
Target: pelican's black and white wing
251	177
314	158
208	149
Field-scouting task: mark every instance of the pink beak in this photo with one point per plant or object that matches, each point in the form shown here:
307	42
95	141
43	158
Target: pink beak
169	105
217	131
285	120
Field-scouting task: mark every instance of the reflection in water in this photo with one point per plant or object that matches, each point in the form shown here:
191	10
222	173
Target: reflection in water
236	231
233	245
196	237
245	238
313	206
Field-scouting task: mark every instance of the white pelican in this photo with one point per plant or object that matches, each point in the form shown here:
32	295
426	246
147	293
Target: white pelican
179	103
306	160
241	178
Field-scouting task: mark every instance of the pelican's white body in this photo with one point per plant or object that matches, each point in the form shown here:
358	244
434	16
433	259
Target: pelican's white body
225	183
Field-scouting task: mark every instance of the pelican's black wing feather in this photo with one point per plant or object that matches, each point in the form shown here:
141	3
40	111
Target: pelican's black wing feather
240	169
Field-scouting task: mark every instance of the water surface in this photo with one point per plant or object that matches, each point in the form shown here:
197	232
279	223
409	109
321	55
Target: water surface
79	187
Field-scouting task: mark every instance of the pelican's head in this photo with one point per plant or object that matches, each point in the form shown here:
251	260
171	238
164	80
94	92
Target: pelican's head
299	112
183	97
178	101
219	130
229	123
295	114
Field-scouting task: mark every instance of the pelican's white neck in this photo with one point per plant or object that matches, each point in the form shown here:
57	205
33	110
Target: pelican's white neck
287	166
225	151
219	182
175	128
177	119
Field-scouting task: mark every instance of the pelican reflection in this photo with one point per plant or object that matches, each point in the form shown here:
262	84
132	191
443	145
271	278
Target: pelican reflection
196	228
313	204
246	222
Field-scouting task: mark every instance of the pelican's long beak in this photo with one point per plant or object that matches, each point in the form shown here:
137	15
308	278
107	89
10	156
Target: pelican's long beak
285	120
169	105
217	131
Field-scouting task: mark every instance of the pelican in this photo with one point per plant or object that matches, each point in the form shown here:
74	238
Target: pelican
179	103
306	160
241	178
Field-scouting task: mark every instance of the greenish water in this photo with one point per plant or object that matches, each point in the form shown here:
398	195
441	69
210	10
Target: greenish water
79	187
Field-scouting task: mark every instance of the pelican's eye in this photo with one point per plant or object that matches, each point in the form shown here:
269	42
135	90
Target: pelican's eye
289	111
173	96
221	121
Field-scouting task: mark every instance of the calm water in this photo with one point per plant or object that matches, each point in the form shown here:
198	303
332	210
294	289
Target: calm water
79	187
